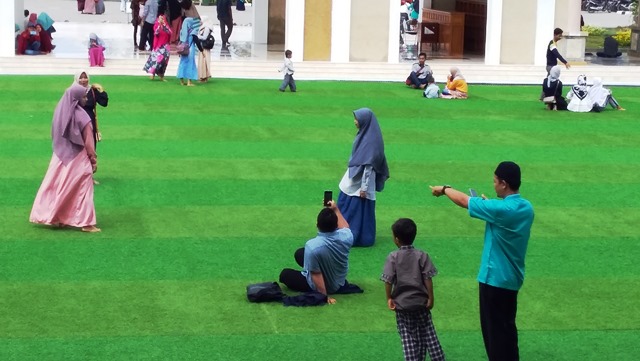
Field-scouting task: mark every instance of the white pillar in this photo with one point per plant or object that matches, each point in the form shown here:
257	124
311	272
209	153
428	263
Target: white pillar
394	32
18	10
545	19
493	41
12	11
573	17
574	42
294	28
260	28
340	30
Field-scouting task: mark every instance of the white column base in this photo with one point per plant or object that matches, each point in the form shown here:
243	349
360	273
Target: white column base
635	41
572	47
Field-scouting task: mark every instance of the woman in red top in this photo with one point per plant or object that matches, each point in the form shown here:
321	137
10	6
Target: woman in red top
29	40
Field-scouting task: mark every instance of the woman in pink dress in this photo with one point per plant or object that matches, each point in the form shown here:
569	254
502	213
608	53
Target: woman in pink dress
159	58
65	197
89	7
94	7
96	50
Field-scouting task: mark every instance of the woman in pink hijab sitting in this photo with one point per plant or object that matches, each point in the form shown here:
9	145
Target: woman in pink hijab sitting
96	50
65	197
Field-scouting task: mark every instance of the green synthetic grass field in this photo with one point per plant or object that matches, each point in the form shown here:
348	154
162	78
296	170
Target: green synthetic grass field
207	189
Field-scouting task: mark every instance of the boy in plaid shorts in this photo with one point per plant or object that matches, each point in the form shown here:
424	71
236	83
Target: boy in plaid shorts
407	275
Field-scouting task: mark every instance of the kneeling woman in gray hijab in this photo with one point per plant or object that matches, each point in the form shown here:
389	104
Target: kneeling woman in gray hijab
366	175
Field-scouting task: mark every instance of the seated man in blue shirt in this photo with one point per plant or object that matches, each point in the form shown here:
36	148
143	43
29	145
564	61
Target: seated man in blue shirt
325	258
501	273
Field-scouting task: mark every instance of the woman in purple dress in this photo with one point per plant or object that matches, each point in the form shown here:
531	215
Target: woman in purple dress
65	197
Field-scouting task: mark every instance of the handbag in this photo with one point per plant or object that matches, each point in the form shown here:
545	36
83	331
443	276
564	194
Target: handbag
208	42
409	81
265	292
182	48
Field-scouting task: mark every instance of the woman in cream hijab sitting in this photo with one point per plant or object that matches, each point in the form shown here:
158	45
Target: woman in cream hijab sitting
601	96
456	87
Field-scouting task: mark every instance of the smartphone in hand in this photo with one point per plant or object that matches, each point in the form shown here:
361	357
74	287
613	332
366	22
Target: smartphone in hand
472	192
328	197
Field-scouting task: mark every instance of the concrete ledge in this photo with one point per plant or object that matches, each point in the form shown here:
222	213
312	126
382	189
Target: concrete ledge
474	72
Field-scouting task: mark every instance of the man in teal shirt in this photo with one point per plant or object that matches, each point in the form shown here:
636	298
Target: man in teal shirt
506	237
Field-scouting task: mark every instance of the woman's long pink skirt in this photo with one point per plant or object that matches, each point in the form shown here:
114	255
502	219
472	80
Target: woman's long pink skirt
65	196
89	7
96	56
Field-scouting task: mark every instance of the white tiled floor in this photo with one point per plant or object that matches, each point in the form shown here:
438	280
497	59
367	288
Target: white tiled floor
71	40
114	28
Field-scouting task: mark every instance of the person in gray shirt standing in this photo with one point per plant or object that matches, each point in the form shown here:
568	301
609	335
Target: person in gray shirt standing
407	276
148	18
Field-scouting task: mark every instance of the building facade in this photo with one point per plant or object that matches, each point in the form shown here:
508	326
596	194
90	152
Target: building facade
340	31
515	31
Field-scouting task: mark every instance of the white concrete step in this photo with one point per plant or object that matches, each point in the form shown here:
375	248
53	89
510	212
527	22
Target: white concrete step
475	72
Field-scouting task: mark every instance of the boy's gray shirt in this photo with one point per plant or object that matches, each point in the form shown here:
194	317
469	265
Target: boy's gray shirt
406	270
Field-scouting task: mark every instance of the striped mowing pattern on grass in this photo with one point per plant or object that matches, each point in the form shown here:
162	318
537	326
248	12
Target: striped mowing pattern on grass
207	189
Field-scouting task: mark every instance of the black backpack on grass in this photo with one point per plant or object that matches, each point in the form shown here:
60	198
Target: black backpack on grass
265	292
